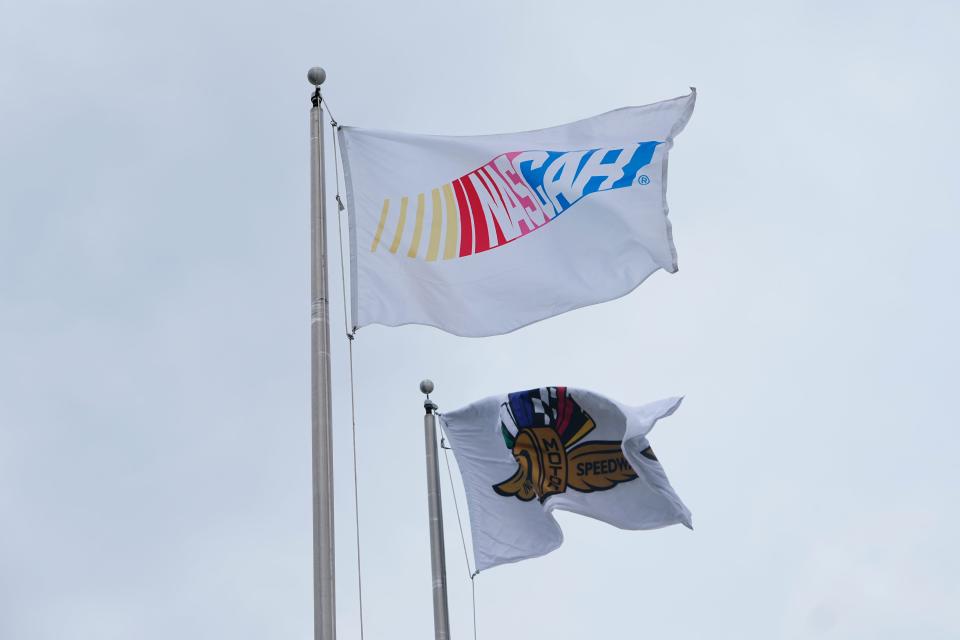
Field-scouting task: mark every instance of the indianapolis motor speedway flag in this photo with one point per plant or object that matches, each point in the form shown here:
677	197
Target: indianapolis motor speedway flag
481	235
525	454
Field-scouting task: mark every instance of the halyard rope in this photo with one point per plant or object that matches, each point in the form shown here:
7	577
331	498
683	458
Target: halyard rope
463	538
350	336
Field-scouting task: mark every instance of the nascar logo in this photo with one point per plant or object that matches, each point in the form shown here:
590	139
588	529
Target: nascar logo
512	195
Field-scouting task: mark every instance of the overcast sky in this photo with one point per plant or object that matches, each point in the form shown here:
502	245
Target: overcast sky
154	307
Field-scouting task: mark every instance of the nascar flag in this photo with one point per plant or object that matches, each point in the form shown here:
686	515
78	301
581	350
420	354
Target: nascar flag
528	453
481	235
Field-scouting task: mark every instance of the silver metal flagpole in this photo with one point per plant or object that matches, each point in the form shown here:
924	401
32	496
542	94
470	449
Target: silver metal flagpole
438	562
324	596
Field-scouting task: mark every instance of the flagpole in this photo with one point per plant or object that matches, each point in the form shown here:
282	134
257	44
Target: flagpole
438	563
324	596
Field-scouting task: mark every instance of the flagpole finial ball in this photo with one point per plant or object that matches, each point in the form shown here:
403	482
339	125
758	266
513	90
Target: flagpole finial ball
426	387
316	76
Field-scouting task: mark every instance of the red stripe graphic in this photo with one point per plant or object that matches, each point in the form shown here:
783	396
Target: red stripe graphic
496	223
466	227
481	235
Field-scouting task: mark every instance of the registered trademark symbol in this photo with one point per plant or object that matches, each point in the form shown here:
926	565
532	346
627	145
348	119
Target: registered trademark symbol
644	180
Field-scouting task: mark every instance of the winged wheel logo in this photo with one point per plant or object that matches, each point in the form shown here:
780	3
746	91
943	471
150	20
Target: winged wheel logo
545	430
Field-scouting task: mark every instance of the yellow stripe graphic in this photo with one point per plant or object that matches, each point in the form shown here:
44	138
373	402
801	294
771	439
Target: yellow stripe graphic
417	229
383	221
400	223
435	226
453	223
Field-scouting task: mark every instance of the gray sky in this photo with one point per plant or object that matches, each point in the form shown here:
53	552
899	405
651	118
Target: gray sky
154	363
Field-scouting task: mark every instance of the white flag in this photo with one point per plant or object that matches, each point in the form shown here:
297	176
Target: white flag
481	235
525	454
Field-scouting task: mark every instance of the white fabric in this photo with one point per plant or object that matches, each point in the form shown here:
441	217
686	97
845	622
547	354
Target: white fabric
581	226
506	529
